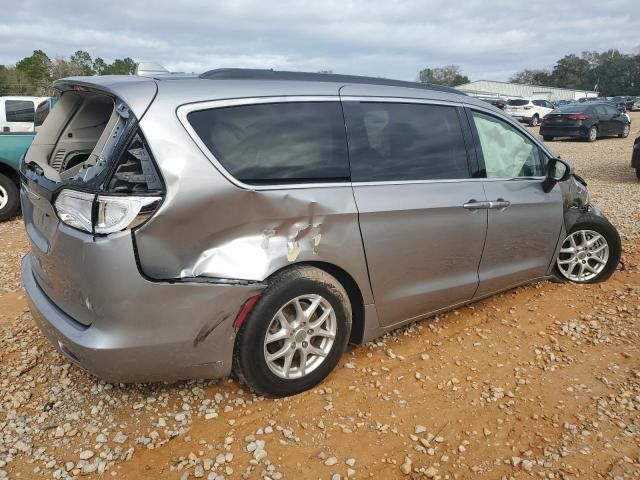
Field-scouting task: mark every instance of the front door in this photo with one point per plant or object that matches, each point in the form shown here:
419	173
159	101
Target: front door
524	222
421	228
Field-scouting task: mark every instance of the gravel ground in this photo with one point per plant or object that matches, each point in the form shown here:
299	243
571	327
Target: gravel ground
541	381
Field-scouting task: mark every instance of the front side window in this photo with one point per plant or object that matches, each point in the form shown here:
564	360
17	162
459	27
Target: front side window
403	141
507	152
19	111
276	142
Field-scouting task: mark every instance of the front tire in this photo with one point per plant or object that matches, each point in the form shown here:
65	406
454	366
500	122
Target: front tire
9	198
625	131
590	252
295	334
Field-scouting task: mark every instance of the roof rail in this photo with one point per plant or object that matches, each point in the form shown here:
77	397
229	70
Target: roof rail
270	74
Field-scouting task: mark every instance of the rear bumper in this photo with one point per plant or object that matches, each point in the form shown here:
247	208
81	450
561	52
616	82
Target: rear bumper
521	117
564	131
155	332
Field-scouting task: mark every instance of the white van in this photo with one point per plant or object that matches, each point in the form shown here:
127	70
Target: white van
17	113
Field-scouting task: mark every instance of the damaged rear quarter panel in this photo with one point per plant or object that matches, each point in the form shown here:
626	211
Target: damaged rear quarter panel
208	227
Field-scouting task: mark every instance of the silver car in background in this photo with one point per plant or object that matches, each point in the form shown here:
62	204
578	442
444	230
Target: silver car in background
256	222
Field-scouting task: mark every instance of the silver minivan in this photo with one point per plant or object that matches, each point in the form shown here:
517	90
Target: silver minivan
256	221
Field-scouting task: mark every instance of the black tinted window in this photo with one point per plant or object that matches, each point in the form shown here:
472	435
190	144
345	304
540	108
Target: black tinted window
42	112
395	141
611	110
276	142
19	110
518	103
573	108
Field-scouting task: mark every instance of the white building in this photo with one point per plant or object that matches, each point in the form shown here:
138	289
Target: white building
490	88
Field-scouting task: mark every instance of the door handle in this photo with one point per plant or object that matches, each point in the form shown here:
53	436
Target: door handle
474	205
499	204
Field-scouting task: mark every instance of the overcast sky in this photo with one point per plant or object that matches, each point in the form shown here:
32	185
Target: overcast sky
488	39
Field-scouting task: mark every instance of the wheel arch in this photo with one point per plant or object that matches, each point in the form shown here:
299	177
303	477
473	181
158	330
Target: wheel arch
350	285
7	170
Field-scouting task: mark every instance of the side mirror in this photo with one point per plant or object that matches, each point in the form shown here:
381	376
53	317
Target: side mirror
557	171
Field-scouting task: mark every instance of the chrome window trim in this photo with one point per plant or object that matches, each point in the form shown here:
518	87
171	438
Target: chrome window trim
183	110
447	180
387	99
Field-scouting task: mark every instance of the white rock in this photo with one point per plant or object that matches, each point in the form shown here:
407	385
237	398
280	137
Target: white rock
86	454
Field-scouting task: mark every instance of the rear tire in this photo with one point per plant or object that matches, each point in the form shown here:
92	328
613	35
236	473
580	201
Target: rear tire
593	134
534	121
600	226
281	333
548	138
9	198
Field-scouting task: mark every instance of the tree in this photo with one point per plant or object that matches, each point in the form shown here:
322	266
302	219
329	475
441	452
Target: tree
82	63
572	71
531	76
450	75
119	66
37	67
99	66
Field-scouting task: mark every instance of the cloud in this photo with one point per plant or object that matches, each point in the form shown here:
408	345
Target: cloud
392	39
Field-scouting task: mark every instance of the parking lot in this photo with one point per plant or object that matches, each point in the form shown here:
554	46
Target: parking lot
541	381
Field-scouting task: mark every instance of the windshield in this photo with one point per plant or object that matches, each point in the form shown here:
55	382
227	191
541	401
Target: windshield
518	103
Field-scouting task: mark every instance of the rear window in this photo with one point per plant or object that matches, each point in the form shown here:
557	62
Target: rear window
518	103
19	111
574	108
276	142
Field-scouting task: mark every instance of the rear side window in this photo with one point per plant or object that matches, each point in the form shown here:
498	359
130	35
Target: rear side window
611	110
401	141
19	111
518	103
277	142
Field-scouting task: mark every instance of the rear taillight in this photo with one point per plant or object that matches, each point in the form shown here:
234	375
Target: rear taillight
103	214
528	107
546	117
132	194
577	116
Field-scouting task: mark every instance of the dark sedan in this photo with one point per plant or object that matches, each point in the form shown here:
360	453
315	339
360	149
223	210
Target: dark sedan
625	102
585	120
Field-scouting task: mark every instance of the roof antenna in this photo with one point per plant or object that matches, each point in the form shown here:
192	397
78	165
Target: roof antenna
144	69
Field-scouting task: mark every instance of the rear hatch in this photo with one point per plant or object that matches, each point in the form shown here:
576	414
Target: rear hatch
518	107
89	144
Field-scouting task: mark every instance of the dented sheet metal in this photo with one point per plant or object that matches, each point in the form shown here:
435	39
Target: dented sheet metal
209	228
252	257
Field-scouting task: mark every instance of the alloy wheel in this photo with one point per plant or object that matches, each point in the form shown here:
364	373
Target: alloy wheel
625	130
300	336
583	255
593	134
4	197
